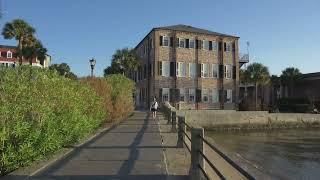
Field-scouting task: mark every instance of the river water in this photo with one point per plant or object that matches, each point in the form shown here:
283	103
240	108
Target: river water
278	154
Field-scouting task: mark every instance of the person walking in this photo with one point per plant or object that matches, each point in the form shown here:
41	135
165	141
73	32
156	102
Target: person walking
153	108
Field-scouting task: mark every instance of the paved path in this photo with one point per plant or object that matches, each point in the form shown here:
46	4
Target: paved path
131	150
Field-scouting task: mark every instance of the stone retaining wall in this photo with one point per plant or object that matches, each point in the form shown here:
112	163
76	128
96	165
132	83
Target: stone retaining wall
248	119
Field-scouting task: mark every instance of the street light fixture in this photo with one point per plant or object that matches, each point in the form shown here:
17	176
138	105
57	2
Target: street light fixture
92	64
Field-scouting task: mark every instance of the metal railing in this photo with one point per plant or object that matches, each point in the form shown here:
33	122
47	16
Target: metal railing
197	141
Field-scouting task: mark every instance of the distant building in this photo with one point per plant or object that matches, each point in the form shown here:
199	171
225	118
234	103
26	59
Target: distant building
189	67
308	87
8	57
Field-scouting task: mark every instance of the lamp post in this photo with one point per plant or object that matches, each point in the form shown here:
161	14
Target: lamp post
92	64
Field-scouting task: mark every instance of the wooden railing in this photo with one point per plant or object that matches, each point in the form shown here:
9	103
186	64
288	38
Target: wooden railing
197	141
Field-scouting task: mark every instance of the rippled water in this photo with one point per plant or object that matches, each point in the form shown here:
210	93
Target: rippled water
280	154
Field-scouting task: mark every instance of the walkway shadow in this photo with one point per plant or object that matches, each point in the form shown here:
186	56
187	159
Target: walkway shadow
124	170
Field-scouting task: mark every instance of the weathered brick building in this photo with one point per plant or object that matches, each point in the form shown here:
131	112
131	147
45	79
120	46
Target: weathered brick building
191	68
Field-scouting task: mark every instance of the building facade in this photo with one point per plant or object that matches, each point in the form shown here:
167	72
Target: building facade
189	67
8	57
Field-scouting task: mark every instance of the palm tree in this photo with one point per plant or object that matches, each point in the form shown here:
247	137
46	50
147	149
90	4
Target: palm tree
125	59
275	88
32	49
20	30
244	79
259	75
289	77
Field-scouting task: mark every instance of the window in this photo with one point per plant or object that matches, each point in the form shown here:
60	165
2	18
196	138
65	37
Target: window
9	54
165	68
191	43
205	45
151	43
165	94
215	96
192	93
215	70
228	71
181	69
228	96
204	70
192	69
204	95
166	41
182	43
182	94
228	46
145	50
214	45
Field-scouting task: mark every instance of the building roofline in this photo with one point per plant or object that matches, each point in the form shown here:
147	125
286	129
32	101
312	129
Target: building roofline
167	28
7	46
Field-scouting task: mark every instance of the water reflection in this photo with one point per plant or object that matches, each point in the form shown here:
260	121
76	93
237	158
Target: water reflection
281	154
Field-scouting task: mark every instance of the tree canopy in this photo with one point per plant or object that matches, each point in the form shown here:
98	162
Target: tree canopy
21	31
290	75
123	60
63	69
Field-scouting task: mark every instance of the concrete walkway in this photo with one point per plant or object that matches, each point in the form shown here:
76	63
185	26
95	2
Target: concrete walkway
132	150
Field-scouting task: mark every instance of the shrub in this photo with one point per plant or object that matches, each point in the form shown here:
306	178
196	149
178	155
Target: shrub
122	89
40	112
103	89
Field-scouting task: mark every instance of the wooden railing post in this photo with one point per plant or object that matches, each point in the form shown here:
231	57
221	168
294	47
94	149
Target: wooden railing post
174	120
196	158
181	129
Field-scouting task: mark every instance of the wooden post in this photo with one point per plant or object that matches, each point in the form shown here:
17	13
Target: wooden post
181	128
174	121
196	158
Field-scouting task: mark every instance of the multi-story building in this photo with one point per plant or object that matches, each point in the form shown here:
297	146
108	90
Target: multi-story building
189	67
8	57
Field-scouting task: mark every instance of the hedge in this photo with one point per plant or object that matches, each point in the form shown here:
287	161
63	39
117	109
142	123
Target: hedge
40	112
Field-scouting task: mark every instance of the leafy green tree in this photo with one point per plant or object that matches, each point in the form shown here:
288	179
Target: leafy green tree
63	69
289	77
122	61
20	30
259	75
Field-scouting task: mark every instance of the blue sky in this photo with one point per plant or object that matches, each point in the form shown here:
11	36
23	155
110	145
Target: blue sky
281	33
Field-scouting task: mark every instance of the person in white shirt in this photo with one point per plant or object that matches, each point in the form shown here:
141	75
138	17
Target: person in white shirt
153	108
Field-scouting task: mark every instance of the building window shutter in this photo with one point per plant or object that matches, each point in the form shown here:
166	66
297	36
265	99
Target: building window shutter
172	69
145	71
177	95
220	96
177	42
210	45
161	40
171	41
221	71
220	46
187	43
225	96
199	70
234	71
160	94
160	68
171	95
198	95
